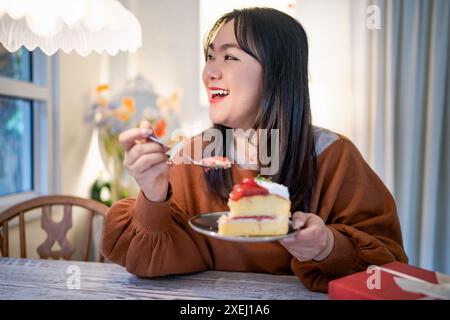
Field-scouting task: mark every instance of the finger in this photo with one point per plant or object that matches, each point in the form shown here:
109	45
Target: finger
146	162
145	124
128	138
302	250
292	239
299	219
289	240
139	150
289	245
310	233
161	167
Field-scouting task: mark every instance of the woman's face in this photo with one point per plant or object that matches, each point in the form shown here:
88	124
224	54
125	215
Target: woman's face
232	79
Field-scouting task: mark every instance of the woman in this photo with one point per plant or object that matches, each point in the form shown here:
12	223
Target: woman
258	60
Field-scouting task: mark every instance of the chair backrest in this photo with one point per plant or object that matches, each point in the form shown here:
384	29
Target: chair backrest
56	232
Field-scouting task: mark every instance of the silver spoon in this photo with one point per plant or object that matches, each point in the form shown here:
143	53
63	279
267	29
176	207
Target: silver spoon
208	163
203	163
161	143
155	139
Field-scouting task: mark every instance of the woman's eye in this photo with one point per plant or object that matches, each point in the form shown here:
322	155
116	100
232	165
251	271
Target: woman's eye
227	57
209	57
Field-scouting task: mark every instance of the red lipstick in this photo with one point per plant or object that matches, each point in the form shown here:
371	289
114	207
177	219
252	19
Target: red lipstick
216	98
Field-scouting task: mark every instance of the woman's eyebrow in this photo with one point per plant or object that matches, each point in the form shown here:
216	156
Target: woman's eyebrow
225	46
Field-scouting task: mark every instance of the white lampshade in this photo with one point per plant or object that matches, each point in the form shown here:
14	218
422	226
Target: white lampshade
80	25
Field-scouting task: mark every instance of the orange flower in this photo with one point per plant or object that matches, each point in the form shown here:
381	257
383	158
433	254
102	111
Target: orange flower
126	109
122	114
102	87
160	128
102	95
129	104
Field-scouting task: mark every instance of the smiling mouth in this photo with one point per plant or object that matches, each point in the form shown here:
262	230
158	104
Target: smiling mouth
218	95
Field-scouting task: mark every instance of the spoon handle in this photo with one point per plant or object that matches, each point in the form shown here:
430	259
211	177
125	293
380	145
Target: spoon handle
151	137
168	153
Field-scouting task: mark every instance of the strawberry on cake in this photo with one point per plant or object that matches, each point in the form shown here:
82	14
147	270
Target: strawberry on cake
258	207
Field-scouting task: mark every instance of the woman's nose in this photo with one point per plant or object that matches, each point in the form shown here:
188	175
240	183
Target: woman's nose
213	73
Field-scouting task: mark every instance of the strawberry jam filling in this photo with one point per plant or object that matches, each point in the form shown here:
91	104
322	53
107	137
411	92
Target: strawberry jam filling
248	187
259	218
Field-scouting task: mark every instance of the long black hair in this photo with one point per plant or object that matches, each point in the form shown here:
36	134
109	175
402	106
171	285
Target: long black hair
279	43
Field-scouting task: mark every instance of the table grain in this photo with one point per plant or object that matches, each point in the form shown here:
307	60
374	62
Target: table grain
55	279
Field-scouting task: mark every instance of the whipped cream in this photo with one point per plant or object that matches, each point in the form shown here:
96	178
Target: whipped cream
274	188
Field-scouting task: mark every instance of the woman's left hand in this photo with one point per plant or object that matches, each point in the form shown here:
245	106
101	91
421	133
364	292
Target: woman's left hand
314	240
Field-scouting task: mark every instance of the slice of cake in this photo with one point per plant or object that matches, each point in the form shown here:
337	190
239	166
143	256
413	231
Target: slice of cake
258	207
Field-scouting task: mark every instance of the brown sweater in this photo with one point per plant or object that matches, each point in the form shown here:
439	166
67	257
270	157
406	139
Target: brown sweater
154	239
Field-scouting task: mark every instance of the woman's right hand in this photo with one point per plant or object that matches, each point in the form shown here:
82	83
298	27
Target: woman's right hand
146	161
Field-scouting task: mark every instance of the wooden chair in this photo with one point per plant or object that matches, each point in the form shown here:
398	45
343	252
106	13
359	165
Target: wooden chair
56	232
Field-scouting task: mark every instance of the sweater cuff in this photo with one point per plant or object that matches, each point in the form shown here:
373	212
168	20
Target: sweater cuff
343	258
152	216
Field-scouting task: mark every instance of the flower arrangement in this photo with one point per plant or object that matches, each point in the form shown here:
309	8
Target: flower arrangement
112	115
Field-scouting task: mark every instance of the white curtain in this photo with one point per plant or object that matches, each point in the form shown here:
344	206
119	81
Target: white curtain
401	105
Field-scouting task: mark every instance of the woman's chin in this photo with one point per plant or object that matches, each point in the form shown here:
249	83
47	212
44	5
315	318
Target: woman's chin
217	118
222	123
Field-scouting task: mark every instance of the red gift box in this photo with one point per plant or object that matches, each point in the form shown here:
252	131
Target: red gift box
362	285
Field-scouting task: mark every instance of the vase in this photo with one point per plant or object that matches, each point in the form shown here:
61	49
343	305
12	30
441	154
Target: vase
122	183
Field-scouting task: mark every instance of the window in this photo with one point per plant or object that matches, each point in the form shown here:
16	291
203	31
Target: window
16	154
15	65
27	126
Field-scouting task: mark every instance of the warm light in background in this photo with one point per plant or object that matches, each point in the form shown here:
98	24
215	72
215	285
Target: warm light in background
327	25
69	25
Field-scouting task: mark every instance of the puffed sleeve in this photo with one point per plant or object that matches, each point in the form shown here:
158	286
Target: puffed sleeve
360	211
150	239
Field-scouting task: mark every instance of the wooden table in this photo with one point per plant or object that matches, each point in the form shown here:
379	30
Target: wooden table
55	279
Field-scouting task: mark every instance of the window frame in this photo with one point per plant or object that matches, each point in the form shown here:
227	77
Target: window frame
43	91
